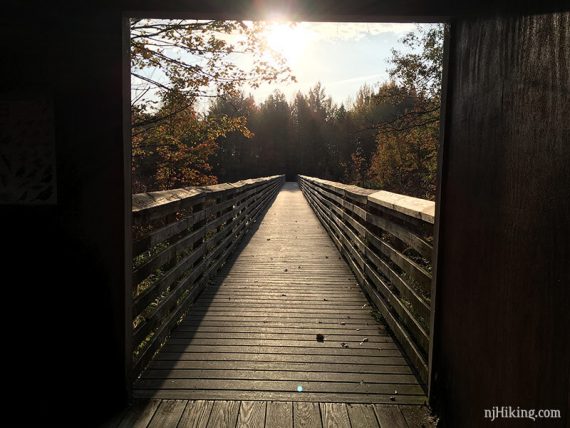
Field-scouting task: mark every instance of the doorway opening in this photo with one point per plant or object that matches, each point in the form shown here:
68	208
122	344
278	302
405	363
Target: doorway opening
226	101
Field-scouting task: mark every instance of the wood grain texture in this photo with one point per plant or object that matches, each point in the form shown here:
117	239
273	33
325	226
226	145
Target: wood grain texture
279	414
91	231
276	373
389	276
139	415
362	416
279	385
224	414
190	258
252	414
306	415
417	416
272	414
252	334
310	397
168	414
334	415
505	194
313	367
196	414
390	417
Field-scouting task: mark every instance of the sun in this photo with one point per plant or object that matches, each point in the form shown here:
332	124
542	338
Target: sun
287	38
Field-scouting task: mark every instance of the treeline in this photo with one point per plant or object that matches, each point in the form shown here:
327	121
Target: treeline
385	138
313	136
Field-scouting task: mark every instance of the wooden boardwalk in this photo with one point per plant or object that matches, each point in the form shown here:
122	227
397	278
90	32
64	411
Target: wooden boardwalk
157	413
283	335
285	321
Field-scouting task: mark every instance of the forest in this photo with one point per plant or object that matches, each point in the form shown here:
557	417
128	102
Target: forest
385	137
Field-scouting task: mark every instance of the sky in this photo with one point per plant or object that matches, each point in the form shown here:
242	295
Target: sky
342	56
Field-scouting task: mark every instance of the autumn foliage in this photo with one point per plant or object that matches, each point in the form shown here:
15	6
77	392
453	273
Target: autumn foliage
175	64
386	137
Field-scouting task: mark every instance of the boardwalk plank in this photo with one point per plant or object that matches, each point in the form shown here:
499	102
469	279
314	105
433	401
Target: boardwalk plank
334	415
297	358
202	394
306	415
306	340
196	414
379	351
279	385
293	313
328	342
224	414
139	414
252	414
237	366
221	325
168	414
270	332
279	415
279	318
362	416
281	375
417	416
252	334
390	417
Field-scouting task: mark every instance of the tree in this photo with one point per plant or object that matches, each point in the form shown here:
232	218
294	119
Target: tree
176	151
235	157
406	162
199	59
312	115
407	142
174	65
271	127
368	110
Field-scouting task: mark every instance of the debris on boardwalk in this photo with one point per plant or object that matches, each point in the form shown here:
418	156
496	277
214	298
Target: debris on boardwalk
258	323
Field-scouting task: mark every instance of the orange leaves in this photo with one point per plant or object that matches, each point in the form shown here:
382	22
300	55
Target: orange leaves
178	62
197	56
406	162
176	150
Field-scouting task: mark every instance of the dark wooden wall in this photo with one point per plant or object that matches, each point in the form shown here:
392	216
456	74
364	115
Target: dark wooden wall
501	332
501	326
63	311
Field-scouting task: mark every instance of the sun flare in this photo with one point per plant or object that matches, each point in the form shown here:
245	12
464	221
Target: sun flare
288	39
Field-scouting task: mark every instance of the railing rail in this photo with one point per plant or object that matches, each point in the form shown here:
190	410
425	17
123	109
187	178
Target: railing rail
181	239
386	239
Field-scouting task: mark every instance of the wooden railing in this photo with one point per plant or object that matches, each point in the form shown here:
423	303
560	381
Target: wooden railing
181	239
386	239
